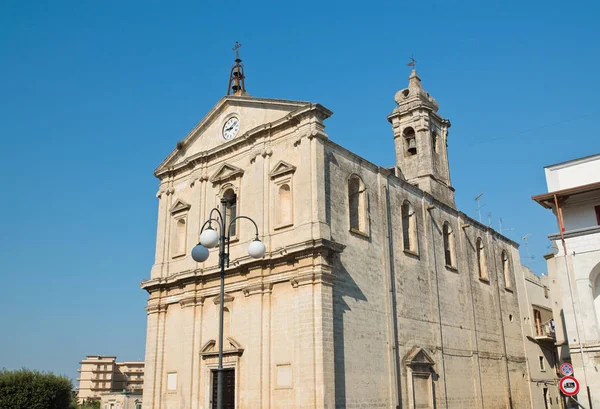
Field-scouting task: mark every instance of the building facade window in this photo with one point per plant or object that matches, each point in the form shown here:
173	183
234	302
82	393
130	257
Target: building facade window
356	204
597	209
409	228
172	381
179	237
449	254
537	319
410	141
542	366
229	203
284	205
481	265
506	270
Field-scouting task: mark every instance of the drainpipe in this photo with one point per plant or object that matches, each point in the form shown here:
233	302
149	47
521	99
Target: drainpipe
561	227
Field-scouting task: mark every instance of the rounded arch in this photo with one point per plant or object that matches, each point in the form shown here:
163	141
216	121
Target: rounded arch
595	283
356	203
410	141
504	259
448	237
481	267
409	227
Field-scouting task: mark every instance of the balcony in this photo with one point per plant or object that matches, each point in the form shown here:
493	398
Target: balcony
545	332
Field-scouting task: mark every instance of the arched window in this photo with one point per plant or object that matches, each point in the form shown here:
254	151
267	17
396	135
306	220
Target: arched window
284	205
481	259
229	202
409	227
506	269
179	237
356	203
434	141
448	245
410	141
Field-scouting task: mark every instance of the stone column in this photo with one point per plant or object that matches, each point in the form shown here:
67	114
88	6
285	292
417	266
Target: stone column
313	370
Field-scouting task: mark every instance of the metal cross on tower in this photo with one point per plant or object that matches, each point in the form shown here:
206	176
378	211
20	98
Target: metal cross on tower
236	49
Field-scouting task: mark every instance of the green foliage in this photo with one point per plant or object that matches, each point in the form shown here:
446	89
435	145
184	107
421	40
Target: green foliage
25	389
90	404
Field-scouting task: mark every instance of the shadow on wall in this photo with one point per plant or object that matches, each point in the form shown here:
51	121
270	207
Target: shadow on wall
344	286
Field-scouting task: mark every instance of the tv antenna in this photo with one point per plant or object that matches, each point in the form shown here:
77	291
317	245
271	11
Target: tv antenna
526	240
478	206
489	215
503	229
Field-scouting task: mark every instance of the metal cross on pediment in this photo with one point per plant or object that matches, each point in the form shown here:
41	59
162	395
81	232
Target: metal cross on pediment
236	49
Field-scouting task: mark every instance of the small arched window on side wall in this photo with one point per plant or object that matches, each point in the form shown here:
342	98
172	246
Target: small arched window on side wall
410	141
506	270
356	204
449	254
481	268
434	141
284	205
229	203
409	228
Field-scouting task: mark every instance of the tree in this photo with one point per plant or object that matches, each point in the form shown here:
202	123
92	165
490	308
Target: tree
26	389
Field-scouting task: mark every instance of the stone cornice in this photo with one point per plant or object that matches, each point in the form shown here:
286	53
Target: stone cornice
297	251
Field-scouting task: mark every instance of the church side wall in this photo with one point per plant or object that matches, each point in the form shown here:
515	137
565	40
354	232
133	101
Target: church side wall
476	334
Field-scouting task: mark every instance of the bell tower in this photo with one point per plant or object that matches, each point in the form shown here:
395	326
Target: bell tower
420	137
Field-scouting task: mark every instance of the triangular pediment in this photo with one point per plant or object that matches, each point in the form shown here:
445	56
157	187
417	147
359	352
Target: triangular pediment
254	114
282	168
226	172
418	357
179	206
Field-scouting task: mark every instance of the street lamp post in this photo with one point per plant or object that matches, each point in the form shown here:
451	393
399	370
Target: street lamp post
209	238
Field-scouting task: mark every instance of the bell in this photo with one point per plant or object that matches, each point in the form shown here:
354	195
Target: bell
412	146
236	71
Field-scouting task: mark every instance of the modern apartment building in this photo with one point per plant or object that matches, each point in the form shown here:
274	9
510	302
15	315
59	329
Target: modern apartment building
574	267
103	374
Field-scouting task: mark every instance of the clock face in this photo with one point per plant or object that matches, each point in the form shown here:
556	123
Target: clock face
231	128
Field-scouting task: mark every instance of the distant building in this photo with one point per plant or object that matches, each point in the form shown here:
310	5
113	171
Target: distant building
574	197
121	400
103	374
539	336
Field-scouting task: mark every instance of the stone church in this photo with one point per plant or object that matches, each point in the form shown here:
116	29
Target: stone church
374	292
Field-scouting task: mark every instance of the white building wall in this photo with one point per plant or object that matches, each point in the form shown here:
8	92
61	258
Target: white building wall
574	173
576	274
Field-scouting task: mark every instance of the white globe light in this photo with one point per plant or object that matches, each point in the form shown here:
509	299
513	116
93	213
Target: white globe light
200	253
256	249
209	238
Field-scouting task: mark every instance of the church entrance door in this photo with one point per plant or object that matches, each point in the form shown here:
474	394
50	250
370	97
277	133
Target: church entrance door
228	389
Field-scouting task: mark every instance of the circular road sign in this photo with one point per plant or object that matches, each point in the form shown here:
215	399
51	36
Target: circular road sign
566	369
569	386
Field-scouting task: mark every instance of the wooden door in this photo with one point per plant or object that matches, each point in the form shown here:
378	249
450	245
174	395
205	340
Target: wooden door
228	389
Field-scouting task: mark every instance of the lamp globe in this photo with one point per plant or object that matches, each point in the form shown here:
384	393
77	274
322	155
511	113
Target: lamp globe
256	249
200	253
209	238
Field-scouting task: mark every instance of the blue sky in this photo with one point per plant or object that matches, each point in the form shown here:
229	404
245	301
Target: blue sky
95	94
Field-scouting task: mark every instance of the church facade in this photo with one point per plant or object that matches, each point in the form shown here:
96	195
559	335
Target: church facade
375	291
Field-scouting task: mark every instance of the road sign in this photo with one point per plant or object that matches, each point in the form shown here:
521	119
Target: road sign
566	369
569	386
